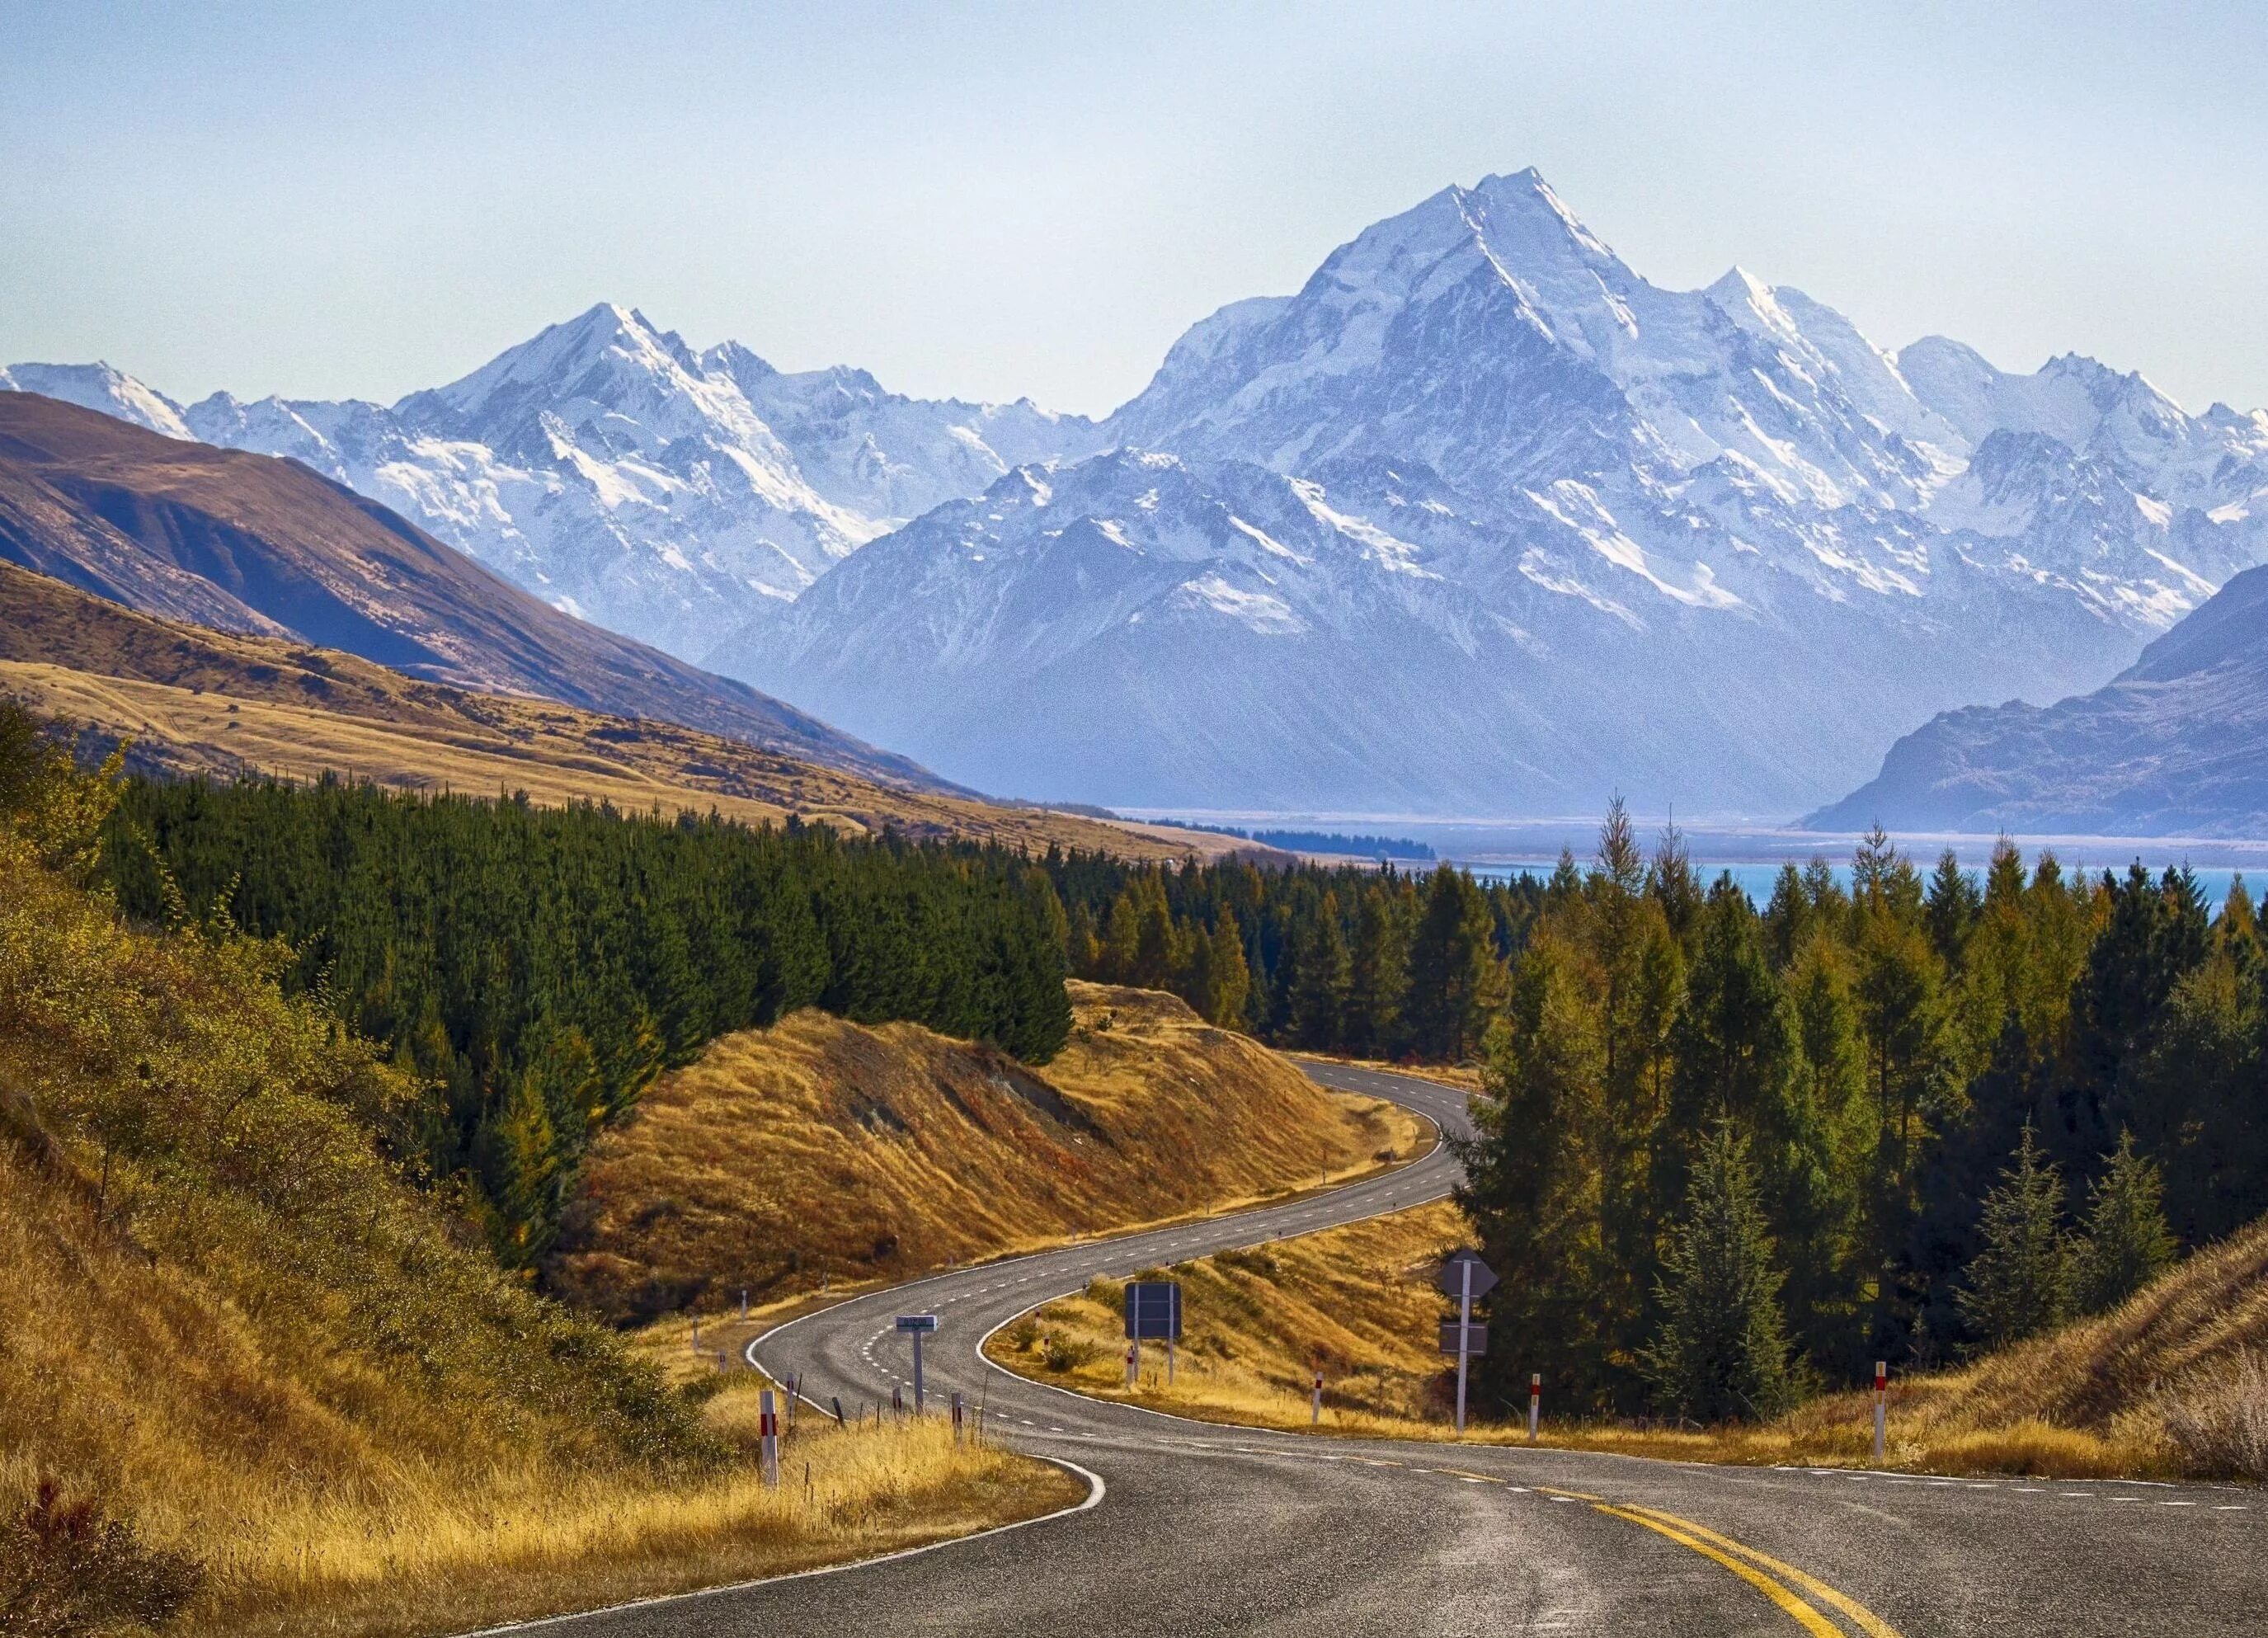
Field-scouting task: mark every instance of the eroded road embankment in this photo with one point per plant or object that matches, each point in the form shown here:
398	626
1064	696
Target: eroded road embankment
1209	1530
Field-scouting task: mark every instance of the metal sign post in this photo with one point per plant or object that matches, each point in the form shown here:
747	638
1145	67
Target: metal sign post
1464	1277
917	1326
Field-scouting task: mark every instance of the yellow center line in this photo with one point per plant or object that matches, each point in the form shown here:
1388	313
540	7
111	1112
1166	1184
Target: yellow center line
1873	1625
1804	1614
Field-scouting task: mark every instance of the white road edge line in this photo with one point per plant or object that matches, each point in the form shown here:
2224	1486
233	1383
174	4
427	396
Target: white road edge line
1095	1491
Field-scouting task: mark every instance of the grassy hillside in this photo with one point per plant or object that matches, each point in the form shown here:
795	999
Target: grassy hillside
251	1379
200	701
1356	1302
821	1147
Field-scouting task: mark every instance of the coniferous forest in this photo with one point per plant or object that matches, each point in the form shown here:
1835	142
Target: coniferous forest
1725	1153
537	968
1729	1153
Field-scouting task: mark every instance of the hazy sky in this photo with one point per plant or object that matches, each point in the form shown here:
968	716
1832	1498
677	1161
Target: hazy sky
346	200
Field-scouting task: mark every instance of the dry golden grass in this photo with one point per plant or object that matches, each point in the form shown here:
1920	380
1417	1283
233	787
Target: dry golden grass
820	1147
2173	1385
196	701
228	1325
1356	1301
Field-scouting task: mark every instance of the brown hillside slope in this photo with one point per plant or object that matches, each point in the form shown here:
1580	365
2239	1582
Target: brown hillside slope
263	545
227	1326
199	701
820	1146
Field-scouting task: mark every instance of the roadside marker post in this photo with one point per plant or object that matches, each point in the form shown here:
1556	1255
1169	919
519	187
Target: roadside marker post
897	1402
840	1421
1464	1277
1315	1410
1133	1362
917	1326
1535	1402
956	1416
1881	1405
767	1427
744	1301
794	1393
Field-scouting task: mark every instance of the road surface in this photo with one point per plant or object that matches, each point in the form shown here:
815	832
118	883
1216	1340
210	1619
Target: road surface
1205	1529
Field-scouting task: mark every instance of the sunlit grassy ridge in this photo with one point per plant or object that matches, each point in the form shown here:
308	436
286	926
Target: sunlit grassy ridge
199	701
824	1147
289	1393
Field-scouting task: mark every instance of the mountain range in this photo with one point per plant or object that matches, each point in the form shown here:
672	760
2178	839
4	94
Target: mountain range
246	544
1477	521
2170	747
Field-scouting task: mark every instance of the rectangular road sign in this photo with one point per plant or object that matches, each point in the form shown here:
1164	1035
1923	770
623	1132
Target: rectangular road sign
1154	1310
1475	1337
916	1322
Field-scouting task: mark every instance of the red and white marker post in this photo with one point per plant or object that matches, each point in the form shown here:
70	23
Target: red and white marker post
956	1416
1133	1362
1315	1410
1881	1405
1535	1402
767	1430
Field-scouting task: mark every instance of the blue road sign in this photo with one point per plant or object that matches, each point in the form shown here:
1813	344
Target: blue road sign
1154	1310
916	1322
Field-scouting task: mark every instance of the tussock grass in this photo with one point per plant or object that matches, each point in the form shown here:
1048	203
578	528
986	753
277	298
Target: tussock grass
245	1367
822	1148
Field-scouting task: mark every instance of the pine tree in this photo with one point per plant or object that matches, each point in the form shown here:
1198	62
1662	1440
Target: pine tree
1320	982
1951	908
1228	980
1452	958
2020	1284
2128	1244
1378	976
1722	1351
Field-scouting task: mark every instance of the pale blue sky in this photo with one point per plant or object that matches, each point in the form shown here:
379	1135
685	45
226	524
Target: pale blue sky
349	200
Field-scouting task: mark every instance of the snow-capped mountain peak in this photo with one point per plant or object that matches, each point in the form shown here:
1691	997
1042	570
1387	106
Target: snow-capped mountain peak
609	468
98	385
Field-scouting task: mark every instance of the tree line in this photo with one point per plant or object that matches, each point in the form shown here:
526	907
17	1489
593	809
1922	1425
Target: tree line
536	967
1355	959
1725	1153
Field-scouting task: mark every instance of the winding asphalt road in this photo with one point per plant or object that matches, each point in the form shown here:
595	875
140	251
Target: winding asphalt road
1206	1529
